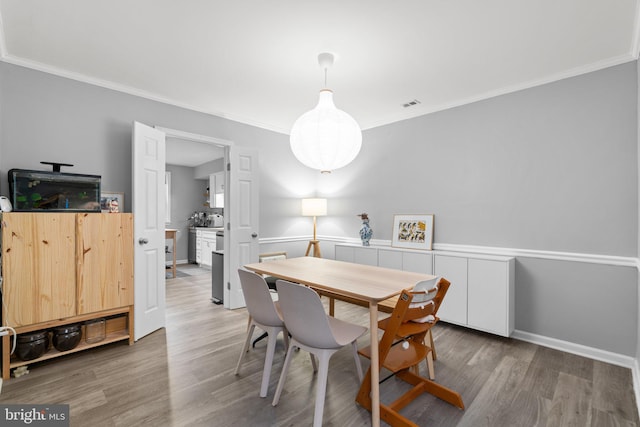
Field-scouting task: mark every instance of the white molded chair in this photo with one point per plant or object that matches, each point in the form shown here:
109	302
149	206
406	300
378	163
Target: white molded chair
265	314
313	331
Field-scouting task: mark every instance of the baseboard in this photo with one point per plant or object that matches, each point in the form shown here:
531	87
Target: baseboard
580	350
178	262
590	352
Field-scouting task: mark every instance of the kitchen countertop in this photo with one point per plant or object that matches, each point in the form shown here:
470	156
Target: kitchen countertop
207	228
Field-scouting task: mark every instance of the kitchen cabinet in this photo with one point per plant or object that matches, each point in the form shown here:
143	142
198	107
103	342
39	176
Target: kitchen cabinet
216	190
191	255
66	268
205	245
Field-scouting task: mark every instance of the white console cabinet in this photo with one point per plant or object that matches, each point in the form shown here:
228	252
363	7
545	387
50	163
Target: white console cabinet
482	292
400	259
367	255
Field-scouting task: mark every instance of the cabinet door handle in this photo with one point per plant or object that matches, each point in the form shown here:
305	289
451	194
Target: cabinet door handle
254	235
143	240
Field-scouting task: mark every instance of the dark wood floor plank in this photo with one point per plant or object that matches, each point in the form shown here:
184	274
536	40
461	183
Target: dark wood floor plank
572	402
613	391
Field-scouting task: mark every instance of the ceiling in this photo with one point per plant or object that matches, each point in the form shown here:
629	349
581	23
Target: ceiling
255	61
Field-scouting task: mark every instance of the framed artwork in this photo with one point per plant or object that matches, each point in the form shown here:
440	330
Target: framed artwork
111	202
412	231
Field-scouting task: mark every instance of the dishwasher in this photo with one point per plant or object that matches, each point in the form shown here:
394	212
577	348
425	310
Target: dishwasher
217	270
191	253
217	277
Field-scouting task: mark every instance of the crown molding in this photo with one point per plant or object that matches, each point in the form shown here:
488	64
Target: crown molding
635	40
60	72
574	72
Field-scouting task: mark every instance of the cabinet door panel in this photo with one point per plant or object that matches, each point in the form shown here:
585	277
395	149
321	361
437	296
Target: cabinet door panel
390	259
344	253
104	261
208	246
454	306
417	263
366	256
38	266
488	298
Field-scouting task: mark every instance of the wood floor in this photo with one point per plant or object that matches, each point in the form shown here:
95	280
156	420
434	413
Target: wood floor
183	376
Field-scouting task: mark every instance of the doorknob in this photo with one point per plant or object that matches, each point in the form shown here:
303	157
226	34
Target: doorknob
254	235
143	240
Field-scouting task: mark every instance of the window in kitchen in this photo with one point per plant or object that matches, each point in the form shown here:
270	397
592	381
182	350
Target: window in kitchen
167	196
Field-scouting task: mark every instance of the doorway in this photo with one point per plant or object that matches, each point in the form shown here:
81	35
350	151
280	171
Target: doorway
192	159
240	224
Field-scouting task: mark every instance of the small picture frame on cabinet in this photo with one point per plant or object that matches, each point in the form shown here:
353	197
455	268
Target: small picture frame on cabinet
412	231
111	202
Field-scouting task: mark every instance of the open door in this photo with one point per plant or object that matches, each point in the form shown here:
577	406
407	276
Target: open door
241	218
148	147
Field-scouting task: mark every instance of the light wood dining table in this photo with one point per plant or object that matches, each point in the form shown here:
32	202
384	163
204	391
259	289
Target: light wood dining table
348	281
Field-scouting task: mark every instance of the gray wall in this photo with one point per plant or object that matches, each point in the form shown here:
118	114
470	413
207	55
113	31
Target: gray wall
638	156
186	197
552	168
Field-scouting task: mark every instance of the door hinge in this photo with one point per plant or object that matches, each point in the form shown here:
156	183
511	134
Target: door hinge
229	286
228	226
229	166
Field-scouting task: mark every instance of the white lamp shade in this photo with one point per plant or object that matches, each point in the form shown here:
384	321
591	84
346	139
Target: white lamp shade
326	138
314	207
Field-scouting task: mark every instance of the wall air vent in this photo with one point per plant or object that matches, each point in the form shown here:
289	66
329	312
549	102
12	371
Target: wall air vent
411	103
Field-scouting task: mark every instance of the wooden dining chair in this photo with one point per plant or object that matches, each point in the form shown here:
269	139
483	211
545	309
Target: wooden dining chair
401	348
265	314
428	292
313	331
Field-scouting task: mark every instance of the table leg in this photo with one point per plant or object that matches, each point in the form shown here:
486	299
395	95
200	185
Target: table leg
375	365
174	256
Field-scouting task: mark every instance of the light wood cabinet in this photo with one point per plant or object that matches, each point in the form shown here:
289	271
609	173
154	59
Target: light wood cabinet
104	254
38	265
65	268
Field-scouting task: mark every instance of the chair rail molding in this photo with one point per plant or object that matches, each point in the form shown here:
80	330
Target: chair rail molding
483	250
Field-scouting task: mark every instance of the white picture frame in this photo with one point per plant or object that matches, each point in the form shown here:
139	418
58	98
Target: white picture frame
111	202
413	231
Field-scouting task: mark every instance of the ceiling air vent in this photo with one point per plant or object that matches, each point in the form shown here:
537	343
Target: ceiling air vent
411	103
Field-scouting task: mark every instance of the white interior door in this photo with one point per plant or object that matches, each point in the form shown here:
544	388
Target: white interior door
148	147
241	217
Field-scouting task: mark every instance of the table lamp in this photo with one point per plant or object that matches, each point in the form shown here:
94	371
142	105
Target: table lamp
314	207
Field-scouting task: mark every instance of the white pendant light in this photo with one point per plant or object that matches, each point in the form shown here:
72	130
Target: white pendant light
325	138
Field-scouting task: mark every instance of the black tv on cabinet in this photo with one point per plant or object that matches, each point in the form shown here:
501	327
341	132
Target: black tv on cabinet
46	191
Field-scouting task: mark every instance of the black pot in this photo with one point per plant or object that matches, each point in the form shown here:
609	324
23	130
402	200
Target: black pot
33	345
66	337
